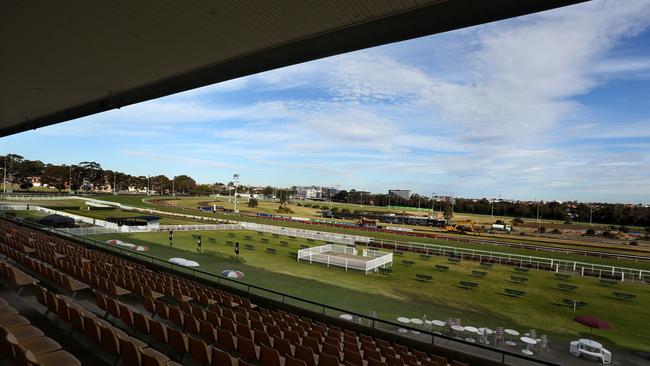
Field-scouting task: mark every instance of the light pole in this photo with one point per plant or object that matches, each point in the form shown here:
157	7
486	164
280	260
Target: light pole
114	191
236	181
538	224
173	186
433	204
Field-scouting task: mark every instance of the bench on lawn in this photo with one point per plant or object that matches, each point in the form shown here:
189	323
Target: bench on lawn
310	240
212	240
284	243
303	246
398	252
408	263
384	271
260	233
608	282
265	240
562	276
275	235
270	250
623	295
517	279
514	293
329	242
440	268
453	260
479	274
467	285
229	242
425	257
521	269
575	304
292	237
249	246
423	277
248	237
567	287
293	255
231	234
487	265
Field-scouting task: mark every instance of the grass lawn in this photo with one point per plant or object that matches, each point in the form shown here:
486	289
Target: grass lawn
139	201
400	294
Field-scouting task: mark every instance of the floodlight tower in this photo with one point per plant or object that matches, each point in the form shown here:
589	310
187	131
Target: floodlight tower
235	179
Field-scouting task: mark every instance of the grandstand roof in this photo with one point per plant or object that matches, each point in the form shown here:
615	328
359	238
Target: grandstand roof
64	60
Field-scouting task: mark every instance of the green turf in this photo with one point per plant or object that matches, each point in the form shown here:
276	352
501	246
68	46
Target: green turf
140	201
400	294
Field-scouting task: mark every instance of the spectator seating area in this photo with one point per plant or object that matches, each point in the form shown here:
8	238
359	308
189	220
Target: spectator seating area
140	316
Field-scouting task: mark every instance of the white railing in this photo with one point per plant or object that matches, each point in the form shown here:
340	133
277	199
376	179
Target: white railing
319	255
307	234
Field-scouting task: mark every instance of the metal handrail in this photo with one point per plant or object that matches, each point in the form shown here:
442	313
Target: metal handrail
167	265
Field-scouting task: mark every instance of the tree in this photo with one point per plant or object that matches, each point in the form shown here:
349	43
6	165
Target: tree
252	202
448	213
91	172
267	191
185	184
160	184
590	232
541	230
283	196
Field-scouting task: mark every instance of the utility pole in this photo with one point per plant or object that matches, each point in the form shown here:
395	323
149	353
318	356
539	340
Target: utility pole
492	207
433	204
114	191
538	224
236	180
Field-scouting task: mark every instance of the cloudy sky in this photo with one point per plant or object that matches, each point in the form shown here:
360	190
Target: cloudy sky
554	105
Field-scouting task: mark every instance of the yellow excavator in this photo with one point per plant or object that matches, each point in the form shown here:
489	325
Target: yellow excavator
364	221
462	226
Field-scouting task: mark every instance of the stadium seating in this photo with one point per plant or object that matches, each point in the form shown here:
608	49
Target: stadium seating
175	317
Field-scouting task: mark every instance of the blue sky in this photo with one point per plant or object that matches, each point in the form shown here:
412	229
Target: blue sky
554	105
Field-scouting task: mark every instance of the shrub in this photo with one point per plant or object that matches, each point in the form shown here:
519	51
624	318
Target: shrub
590	232
517	221
500	222
345	210
325	207
542	229
556	231
334	209
286	210
634	242
252	202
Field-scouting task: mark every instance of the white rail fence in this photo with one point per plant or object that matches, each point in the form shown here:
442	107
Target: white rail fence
307	234
320	255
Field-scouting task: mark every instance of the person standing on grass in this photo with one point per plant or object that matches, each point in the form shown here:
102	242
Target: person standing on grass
171	237
198	242
237	250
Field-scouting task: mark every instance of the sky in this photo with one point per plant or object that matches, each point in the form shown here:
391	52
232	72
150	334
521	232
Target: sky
554	105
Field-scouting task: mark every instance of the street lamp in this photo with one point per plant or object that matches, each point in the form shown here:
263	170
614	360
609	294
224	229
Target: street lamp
235	179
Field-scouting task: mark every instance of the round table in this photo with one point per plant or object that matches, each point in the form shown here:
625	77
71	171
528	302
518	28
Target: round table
403	320
529	342
345	316
438	323
512	333
458	329
417	321
415	331
590	343
472	330
402	330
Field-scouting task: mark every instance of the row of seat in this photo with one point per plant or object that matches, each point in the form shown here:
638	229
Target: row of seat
132	351
25	344
318	337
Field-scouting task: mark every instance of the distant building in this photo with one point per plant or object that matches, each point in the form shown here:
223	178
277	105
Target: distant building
403	193
314	192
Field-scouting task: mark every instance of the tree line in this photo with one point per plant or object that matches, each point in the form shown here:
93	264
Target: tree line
89	175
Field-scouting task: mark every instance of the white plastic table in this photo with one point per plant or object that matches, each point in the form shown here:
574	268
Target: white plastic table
402	330
590	343
345	316
403	320
472	330
529	342
458	329
512	333
438	323
417	321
